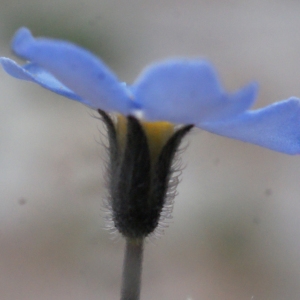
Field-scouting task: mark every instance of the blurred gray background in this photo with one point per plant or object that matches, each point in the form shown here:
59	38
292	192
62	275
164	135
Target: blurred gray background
235	234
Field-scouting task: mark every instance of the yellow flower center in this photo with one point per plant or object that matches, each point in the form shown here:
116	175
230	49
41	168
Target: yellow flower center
157	133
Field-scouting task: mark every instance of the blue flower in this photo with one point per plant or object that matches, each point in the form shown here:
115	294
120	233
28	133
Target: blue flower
178	91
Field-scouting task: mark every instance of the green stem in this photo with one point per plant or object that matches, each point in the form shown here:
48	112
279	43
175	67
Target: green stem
132	270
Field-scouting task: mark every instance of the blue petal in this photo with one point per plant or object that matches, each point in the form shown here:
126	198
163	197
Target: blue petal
75	68
34	73
276	127
189	92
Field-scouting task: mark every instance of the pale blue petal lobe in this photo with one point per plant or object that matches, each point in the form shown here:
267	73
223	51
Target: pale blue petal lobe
77	69
169	90
276	127
34	73
240	101
188	92
13	69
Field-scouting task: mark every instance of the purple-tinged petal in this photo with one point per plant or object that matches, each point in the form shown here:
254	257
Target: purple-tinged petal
34	73
189	92
236	103
276	126
77	69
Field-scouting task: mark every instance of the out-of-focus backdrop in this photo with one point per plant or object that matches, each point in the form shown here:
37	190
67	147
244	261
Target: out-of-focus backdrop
235	234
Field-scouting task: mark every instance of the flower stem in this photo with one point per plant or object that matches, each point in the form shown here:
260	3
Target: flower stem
132	270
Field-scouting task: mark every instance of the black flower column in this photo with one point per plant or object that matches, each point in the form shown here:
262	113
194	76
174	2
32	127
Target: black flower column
140	170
